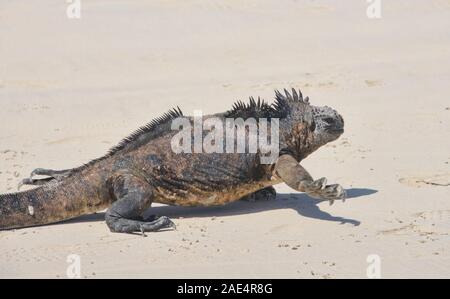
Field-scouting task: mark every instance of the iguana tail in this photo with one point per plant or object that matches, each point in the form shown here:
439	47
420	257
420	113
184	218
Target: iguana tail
51	203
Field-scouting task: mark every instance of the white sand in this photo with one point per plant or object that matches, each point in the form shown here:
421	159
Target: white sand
70	89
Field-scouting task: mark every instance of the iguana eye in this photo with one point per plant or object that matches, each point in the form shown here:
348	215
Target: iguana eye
328	120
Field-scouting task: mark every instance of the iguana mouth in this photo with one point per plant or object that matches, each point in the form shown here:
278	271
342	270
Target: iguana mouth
335	130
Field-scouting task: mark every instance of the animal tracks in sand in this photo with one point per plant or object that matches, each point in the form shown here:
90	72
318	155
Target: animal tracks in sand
75	139
13	163
440	180
428	225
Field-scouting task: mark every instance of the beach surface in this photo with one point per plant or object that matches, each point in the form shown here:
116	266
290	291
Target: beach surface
72	88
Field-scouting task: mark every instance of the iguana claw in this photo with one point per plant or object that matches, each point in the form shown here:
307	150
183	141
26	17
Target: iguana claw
172	225
142	231
319	190
21	183
320	183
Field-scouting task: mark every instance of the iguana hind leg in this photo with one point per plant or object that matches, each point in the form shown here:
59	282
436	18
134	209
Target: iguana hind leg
53	175
296	177
50	172
34	182
267	193
134	196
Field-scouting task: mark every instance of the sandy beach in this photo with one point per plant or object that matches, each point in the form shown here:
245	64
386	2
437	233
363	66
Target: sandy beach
70	89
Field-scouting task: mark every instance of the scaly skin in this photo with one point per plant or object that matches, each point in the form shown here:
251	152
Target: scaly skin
144	169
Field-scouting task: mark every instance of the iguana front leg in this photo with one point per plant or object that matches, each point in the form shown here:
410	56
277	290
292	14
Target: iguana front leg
296	177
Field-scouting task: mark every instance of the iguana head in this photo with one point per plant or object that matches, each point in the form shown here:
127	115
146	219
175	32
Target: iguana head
327	124
303	127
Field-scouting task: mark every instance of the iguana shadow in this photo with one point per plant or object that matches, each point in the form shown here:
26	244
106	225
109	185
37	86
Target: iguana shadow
303	204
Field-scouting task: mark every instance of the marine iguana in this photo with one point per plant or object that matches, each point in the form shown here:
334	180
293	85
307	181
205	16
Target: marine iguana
143	169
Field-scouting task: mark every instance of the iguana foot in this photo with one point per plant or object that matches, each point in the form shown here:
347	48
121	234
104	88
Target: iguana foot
158	224
49	172
52	175
34	182
123	225
320	190
129	226
267	193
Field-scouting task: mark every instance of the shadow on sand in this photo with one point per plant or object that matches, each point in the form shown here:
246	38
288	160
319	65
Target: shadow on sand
303	204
